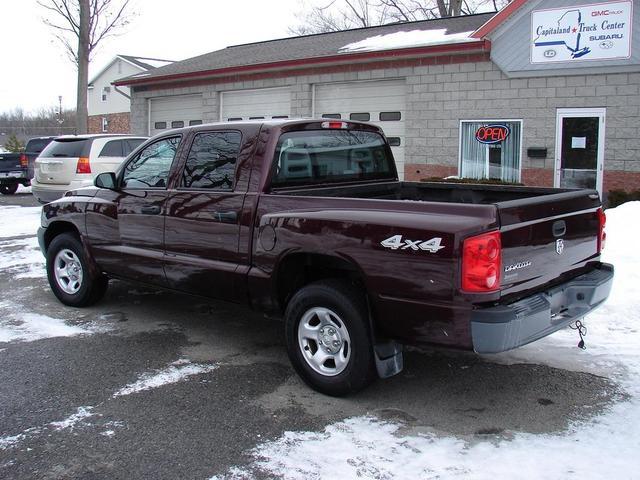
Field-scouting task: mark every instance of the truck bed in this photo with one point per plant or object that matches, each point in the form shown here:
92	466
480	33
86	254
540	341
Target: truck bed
428	192
530	219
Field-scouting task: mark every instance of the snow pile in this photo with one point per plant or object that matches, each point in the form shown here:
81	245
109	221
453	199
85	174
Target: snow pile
27	327
604	447
27	261
413	38
174	373
19	221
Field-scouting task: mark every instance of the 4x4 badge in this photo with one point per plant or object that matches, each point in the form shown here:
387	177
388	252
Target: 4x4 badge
559	246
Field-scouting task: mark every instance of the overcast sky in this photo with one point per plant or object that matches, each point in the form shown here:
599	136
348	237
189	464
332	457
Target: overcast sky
35	69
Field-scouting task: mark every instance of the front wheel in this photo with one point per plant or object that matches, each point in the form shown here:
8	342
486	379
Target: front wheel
328	338
8	188
70	278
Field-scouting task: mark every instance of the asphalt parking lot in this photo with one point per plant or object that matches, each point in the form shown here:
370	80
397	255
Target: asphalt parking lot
98	405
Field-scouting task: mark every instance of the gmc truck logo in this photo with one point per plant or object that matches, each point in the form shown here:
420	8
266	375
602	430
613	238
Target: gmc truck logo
605	13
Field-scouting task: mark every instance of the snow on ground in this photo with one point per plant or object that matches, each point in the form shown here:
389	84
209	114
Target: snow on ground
27	327
19	221
173	373
72	420
22	189
413	38
602	447
22	257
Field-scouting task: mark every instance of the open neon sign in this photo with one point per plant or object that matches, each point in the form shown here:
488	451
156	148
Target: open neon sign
492	133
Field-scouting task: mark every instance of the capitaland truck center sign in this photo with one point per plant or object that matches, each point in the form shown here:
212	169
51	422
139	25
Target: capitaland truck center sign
589	32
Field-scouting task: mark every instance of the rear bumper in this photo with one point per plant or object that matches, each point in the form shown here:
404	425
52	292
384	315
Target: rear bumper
504	327
10	177
48	192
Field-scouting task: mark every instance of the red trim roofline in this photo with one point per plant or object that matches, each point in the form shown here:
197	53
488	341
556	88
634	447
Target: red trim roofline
466	47
498	19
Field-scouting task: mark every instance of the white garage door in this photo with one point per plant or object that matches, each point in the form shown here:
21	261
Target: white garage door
379	102
255	104
174	112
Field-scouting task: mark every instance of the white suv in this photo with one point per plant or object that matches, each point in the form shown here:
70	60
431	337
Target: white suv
73	161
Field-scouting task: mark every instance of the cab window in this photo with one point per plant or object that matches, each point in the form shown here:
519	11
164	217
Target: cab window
150	168
211	163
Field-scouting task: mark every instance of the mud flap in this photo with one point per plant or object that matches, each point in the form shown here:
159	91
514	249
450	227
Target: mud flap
389	360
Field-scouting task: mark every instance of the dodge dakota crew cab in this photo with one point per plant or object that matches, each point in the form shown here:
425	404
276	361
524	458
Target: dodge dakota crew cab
307	220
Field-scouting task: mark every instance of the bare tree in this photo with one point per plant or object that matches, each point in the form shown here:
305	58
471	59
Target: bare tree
345	14
80	25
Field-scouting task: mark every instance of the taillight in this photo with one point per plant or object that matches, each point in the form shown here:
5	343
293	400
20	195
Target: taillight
24	161
83	165
602	235
481	263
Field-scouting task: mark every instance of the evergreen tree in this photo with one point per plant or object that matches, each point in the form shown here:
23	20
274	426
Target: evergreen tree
14	144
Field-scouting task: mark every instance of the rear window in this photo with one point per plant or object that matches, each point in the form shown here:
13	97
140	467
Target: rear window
325	156
36	145
71	147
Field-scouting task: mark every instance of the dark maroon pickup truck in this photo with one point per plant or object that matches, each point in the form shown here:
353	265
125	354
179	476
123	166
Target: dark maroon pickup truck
306	219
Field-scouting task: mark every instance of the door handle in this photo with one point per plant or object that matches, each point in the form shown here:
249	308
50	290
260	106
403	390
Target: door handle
226	217
150	210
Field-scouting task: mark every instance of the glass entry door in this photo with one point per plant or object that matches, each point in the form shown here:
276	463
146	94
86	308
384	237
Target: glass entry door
580	148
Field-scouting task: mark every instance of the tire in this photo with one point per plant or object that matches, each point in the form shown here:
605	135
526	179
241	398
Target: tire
328	338
9	188
70	277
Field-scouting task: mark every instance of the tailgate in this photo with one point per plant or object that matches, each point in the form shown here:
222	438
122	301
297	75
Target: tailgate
58	171
10	162
547	237
58	161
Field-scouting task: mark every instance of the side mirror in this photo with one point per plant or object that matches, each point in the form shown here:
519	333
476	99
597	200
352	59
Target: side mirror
106	180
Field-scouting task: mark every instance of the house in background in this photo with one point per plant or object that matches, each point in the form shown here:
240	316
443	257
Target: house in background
109	106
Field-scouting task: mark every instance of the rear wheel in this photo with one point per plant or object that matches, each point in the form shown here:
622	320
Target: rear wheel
70	278
9	188
328	338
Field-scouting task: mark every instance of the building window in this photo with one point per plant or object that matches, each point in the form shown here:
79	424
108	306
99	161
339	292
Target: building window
331	115
234	119
105	124
160	125
361	117
105	92
394	141
177	124
490	149
390	116
195	122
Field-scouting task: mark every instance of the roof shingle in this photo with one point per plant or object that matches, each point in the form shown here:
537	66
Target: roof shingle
306	47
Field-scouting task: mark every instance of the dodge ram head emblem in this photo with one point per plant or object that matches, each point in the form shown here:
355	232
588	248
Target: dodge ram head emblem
559	246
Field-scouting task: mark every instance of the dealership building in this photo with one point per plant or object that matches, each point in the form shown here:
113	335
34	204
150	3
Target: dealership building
544	92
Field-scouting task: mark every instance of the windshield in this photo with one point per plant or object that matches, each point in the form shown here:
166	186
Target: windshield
326	156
